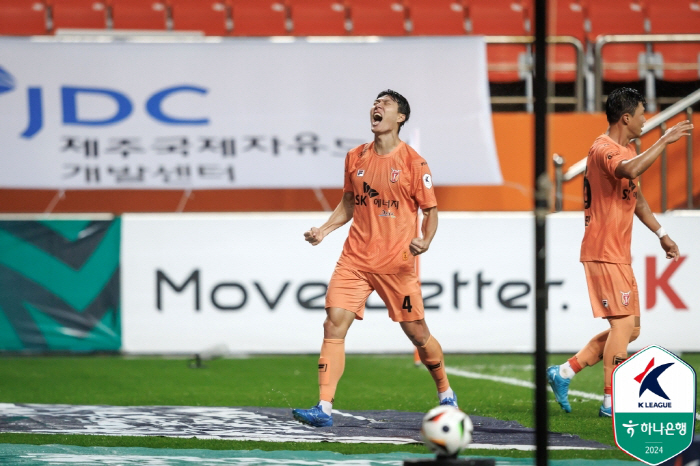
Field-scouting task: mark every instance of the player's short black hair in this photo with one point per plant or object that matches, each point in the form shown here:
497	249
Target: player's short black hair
622	100
401	100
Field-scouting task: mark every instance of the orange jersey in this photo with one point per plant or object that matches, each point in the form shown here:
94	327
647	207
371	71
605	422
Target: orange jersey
388	190
609	204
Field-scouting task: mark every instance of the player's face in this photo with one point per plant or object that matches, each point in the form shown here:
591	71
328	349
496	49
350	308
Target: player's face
384	115
636	121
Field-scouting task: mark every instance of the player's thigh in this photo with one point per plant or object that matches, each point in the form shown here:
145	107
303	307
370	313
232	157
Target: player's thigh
348	289
612	289
401	294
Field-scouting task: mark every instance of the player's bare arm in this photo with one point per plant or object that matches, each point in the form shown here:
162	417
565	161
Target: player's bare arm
340	216
634	167
428	228
646	216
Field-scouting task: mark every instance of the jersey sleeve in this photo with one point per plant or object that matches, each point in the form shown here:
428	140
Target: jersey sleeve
611	159
423	191
347	184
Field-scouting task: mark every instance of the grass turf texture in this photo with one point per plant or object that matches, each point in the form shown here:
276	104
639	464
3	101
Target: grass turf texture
290	381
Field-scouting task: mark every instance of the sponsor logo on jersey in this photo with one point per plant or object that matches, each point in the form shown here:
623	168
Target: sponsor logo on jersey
427	181
361	199
394	175
605	303
387	213
625	297
360	172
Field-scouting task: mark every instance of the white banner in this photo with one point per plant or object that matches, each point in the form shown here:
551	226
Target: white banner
247	113
251	283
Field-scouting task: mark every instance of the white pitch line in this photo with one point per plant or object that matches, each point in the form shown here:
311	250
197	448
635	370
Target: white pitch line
523	383
516	382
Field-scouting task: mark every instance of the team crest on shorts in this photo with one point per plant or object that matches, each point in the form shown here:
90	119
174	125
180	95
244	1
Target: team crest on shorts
394	175
625	298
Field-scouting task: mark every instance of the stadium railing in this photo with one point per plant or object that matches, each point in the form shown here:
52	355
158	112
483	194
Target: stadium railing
657	121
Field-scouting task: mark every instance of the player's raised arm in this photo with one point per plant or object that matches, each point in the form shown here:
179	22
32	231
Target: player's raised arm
340	216
644	213
634	167
428	228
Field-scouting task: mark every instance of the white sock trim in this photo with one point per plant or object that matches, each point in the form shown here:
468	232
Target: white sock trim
326	406
446	394
566	371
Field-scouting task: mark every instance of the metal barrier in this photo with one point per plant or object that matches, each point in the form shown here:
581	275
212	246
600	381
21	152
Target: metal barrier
577	100
657	121
602	41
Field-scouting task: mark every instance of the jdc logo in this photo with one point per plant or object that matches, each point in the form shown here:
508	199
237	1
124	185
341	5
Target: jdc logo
124	106
653	405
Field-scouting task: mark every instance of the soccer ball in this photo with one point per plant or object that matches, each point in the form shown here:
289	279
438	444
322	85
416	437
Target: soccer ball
446	430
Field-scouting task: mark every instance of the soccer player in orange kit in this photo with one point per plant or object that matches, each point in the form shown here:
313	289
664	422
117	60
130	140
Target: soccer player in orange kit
612	196
386	182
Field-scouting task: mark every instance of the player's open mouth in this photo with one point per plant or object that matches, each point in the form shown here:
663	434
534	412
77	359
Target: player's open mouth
376	119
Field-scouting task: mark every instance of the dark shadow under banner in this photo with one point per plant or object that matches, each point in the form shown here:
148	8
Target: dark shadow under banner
59	286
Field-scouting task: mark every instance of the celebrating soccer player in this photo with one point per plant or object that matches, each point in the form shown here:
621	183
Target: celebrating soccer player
386	182
611	196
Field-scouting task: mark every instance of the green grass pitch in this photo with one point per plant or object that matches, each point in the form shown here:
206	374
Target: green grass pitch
369	383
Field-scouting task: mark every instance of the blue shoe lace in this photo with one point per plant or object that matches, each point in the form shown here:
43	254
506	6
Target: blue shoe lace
450	401
560	387
313	416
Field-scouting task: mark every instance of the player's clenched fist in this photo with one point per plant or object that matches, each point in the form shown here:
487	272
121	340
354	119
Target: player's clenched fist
418	246
313	236
670	247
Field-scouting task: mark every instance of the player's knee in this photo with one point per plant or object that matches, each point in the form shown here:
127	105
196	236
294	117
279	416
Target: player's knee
635	334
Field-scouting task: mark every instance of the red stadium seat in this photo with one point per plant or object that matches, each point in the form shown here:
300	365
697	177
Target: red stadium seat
318	17
502	18
209	16
437	17
22	17
566	18
677	17
139	14
377	17
620	62
82	14
259	17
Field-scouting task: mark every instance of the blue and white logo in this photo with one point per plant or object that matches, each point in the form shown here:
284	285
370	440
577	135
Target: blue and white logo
7	81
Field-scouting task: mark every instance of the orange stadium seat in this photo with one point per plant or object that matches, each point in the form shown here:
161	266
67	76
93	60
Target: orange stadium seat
259	17
502	18
22	17
377	17
318	17
139	14
209	16
677	17
566	18
83	14
620	61
437	17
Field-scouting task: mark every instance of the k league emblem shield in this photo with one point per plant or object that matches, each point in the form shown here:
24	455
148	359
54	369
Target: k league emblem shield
394	175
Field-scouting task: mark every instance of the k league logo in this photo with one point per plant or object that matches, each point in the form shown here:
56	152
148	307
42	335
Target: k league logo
653	405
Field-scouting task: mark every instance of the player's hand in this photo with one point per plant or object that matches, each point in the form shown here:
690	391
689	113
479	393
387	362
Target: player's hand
670	247
684	128
314	236
418	246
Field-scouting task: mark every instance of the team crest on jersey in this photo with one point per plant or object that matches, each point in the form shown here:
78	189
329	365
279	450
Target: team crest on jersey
625	298
394	175
360	172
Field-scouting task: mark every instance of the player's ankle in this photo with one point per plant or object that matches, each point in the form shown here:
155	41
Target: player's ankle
326	406
566	371
446	394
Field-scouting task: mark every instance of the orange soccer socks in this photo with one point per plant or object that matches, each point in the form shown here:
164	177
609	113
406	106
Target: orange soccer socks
623	330
431	356
331	365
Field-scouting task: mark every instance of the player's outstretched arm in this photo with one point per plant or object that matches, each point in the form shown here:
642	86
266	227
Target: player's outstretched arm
635	166
340	216
644	213
428	228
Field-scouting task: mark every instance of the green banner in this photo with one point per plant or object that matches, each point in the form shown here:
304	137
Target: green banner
59	285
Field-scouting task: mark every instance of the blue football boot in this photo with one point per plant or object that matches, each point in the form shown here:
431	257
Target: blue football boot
560	387
450	401
313	416
605	412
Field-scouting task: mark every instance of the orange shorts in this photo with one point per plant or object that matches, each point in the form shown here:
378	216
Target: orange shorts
612	289
349	289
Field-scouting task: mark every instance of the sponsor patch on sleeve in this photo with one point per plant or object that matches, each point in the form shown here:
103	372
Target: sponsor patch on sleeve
427	181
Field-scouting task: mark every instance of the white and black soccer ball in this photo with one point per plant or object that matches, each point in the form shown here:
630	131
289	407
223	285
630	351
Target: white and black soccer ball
446	430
